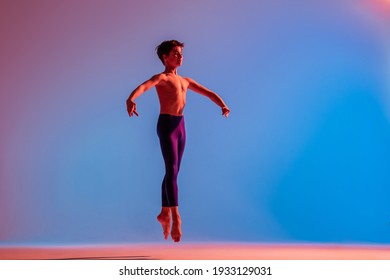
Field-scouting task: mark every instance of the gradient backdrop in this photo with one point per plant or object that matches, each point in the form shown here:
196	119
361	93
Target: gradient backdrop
303	157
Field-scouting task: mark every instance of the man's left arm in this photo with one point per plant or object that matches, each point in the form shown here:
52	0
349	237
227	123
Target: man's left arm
198	88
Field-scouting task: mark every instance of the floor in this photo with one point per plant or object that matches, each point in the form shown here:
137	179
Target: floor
197	251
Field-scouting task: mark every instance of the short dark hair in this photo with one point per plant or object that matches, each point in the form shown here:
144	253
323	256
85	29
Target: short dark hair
166	47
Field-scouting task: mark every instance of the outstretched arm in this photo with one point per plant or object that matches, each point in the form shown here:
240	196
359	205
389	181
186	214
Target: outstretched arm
210	94
131	106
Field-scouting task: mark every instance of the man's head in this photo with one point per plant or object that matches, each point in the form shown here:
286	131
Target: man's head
169	48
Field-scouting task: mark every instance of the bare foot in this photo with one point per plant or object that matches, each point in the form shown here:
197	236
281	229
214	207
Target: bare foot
176	230
176	224
165	220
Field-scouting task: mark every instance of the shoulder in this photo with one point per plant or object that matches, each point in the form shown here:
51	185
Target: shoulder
191	83
188	80
158	77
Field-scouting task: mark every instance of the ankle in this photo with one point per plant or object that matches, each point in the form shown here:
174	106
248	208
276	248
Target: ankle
176	219
165	211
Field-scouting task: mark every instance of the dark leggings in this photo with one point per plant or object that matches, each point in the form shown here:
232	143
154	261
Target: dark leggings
172	134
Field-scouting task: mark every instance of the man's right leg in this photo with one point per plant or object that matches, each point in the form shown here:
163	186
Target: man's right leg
165	220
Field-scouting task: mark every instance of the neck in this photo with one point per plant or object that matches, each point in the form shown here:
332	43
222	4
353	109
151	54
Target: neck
171	70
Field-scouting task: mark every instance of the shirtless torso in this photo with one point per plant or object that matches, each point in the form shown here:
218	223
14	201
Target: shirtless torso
172	90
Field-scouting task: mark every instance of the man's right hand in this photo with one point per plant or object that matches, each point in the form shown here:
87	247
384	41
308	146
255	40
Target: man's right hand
131	108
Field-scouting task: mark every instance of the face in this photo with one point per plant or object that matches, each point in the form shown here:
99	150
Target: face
175	57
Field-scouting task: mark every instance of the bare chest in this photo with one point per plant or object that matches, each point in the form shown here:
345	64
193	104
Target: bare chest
173	87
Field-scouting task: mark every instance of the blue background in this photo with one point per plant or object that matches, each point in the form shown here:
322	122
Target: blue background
303	157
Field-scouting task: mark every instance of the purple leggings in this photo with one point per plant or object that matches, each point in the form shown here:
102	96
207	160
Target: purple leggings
172	134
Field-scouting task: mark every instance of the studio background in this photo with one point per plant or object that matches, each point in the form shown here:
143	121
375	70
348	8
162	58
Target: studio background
303	157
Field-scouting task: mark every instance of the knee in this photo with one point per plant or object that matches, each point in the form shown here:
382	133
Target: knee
172	170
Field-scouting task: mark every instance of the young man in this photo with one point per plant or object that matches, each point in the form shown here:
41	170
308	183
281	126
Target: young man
171	89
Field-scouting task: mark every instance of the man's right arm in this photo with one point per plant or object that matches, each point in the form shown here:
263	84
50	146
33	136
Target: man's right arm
144	87
131	106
